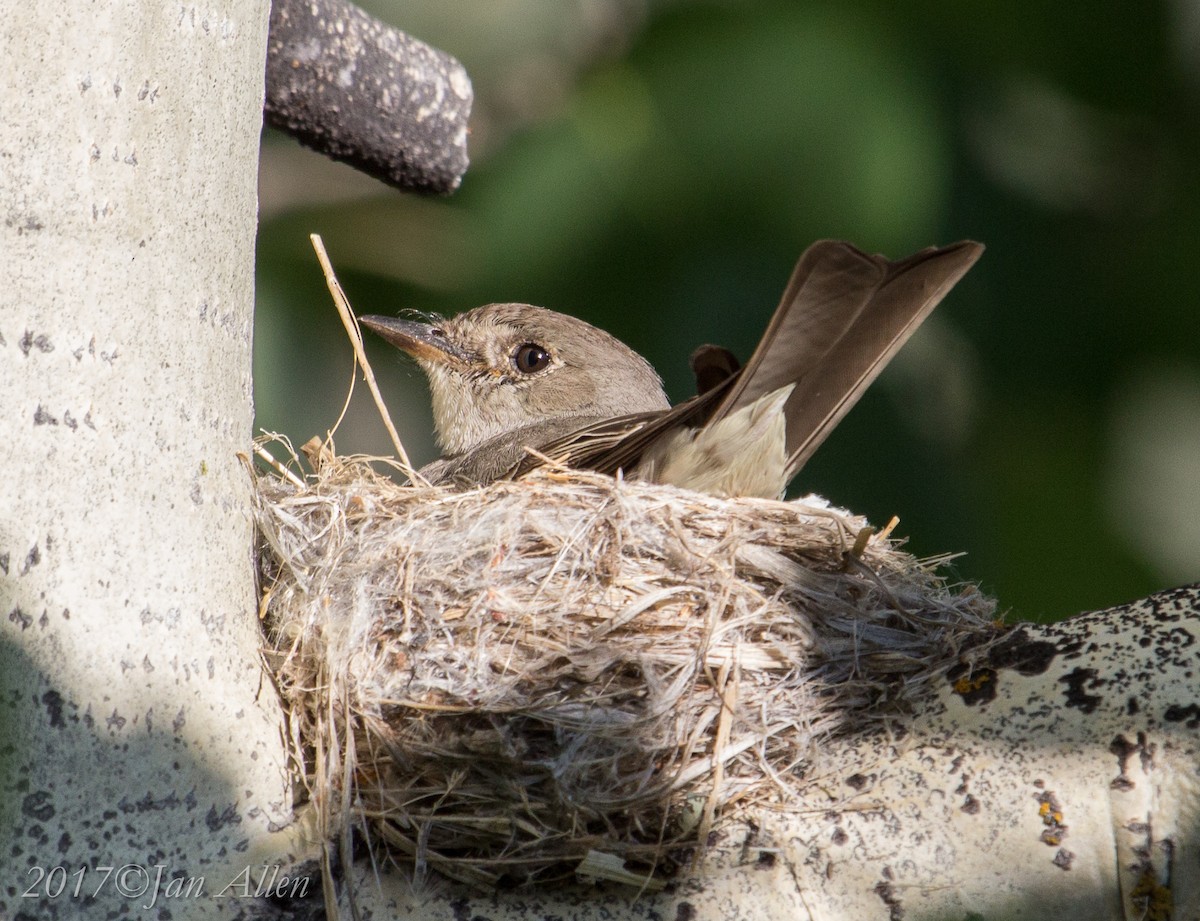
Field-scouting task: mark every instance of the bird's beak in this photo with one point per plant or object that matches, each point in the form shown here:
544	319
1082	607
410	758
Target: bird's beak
420	340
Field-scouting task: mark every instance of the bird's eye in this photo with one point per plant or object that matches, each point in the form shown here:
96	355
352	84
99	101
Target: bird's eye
530	358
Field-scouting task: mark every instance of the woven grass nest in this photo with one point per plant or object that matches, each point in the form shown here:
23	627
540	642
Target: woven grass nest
512	684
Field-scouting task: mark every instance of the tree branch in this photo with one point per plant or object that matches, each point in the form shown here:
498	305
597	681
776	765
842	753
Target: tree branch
358	90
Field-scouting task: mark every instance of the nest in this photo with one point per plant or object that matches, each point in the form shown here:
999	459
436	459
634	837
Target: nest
569	670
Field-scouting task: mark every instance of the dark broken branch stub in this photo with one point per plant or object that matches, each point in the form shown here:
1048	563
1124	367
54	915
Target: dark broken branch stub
358	90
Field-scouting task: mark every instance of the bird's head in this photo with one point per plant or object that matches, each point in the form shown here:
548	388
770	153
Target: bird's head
502	367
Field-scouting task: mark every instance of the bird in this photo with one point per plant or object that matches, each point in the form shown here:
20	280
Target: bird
514	385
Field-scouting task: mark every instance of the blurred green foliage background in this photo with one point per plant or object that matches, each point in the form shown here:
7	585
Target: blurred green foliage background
657	167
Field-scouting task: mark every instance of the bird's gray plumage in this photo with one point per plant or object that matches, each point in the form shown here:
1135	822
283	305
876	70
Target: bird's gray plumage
585	397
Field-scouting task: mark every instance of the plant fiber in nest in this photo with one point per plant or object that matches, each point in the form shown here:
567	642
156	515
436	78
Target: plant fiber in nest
499	682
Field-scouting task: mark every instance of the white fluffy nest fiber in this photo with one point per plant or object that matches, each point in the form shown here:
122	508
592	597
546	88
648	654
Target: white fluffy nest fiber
501	683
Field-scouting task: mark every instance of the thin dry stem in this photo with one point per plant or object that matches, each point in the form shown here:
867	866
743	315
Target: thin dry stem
350	322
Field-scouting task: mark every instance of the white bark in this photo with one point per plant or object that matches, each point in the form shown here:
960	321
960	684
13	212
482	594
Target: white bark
138	730
1063	783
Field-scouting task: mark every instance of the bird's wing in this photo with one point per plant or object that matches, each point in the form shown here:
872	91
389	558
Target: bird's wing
609	445
499	456
618	444
842	317
711	365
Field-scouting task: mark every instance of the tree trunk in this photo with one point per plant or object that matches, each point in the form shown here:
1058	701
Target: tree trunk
140	734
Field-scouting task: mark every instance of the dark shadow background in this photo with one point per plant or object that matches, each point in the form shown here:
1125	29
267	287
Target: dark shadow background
656	168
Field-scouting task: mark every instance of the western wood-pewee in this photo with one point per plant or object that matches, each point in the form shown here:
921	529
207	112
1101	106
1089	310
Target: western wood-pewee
509	377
